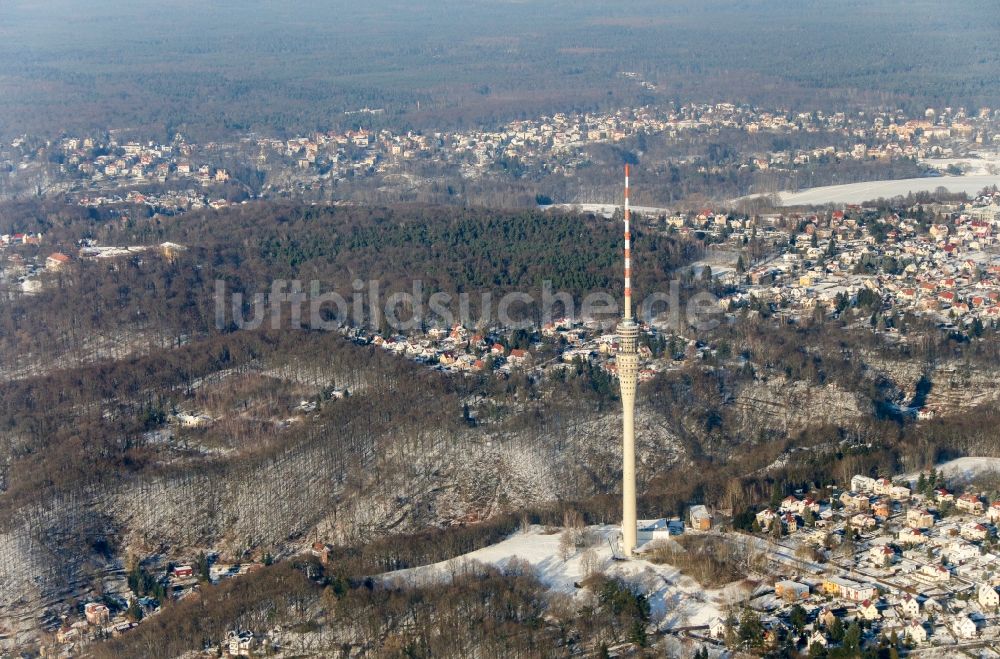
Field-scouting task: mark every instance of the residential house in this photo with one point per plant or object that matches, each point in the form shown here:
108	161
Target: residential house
974	531
938	573
960	552
240	643
321	550
988	596
969	503
97	613
70	634
919	518
931	605
817	638
994	512
701	519
882	555
915	632
790	504
912	536
868	610
899	492
909	606
964	627
861	483
942	495
519	357
864	522
717	628
56	260
849	590
855	501
765	518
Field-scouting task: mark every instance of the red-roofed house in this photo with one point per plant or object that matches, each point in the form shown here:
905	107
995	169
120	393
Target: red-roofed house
969	503
518	356
56	260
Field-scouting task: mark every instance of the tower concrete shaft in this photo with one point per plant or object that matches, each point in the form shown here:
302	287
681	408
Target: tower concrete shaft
628	374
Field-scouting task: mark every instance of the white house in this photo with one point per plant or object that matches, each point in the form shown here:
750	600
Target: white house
882	486
765	518
935	573
912	536
969	503
654	529
868	610
964	627
881	555
861	483
701	519
994	512
862	521
240	644
988	596
919	518
975	532
942	495
790	504
899	492
909	606
915	632
960	552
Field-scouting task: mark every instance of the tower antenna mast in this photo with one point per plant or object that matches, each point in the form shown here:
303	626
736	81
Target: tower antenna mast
628	372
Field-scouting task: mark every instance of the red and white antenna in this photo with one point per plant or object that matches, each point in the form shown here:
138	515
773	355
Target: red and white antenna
628	253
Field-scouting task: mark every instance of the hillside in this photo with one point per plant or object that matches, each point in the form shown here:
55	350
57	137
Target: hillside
187	438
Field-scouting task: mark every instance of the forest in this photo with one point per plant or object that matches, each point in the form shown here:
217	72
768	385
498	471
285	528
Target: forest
156	70
247	247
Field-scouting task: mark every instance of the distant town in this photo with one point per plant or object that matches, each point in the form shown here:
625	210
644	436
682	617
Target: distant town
108	168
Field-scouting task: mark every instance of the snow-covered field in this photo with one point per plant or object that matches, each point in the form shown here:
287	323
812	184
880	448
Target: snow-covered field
675	600
964	469
856	193
849	193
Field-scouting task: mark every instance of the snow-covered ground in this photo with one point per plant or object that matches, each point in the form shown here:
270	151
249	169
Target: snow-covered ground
979	177
675	600
963	469
607	210
856	193
975	164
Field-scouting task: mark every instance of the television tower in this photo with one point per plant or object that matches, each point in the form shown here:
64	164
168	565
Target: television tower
628	373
